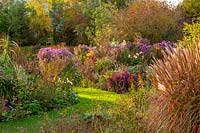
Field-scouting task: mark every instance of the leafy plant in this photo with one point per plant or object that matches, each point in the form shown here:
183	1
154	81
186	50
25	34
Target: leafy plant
33	107
9	87
104	64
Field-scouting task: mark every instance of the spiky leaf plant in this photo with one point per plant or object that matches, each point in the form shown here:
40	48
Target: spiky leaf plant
176	105
8	49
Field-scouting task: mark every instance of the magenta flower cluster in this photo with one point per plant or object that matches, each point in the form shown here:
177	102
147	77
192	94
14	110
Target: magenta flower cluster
49	54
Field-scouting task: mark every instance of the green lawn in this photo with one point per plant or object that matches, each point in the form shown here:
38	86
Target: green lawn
89	99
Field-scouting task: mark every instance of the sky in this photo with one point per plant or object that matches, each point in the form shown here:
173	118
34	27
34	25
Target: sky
173	2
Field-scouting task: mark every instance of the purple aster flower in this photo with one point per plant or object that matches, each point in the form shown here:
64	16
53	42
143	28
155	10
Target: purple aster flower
166	45
144	41
144	48
130	46
48	54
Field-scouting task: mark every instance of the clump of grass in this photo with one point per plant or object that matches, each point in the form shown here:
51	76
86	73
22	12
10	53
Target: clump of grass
176	105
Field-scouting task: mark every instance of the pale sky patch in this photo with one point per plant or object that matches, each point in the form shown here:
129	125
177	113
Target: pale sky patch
173	2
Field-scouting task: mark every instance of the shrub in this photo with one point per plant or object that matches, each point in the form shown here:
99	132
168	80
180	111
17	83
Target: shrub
191	33
191	8
85	63
9	87
158	22
39	21
104	64
88	71
121	82
175	107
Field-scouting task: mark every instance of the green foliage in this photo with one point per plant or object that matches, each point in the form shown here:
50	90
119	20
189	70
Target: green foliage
104	64
100	15
120	4
68	22
9	87
32	106
14	21
191	33
191	8
39	21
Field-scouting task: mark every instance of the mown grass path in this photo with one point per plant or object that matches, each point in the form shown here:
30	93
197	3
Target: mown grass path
89	99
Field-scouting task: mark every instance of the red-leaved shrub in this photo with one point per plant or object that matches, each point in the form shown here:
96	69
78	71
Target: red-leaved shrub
121	82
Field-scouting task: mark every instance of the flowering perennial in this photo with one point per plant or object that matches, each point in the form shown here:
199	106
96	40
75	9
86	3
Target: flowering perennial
49	53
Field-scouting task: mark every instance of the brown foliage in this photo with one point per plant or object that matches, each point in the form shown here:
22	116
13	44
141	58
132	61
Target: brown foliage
151	19
176	105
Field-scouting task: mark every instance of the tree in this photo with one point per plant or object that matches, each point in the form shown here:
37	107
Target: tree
14	20
151	19
40	21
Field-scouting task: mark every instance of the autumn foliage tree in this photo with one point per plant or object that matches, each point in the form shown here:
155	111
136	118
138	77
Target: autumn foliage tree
149	18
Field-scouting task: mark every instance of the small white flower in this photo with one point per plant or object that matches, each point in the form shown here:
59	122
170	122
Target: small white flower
140	52
70	82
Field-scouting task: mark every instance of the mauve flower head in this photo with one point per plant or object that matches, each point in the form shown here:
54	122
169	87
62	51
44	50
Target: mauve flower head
48	54
144	41
5	108
130	46
144	48
6	101
166	45
84	47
